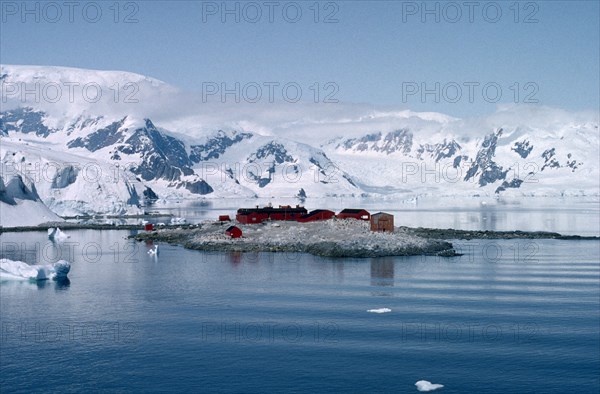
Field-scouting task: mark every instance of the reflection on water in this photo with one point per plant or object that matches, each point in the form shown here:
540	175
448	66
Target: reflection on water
382	271
382	275
58	285
234	258
62	284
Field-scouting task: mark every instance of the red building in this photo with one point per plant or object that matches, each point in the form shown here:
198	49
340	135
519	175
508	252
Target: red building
224	218
360	214
233	232
317	215
258	215
383	222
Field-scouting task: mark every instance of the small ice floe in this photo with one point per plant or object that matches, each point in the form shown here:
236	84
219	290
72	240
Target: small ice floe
153	251
424	385
18	270
413	200
56	234
178	221
380	310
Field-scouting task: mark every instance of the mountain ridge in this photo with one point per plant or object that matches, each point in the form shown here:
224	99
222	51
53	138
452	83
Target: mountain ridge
155	162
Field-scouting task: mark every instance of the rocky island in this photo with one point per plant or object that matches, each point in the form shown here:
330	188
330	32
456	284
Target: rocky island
330	238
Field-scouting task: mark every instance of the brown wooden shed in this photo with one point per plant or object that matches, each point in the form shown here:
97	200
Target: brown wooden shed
383	222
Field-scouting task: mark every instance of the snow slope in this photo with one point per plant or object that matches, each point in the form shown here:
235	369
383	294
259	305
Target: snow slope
71	184
20	204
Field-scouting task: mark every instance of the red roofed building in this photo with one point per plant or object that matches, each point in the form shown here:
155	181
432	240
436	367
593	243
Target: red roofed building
233	232
317	215
360	214
258	215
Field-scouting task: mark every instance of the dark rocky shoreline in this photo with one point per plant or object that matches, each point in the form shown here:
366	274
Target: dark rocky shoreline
436	233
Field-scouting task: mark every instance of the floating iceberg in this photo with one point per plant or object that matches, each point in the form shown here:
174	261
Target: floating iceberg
380	310
18	270
57	235
153	251
424	385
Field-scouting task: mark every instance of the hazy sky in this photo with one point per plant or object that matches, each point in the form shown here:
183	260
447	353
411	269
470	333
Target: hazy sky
382	53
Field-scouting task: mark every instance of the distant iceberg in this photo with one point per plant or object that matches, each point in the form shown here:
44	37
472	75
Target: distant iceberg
18	270
380	310
57	235
178	221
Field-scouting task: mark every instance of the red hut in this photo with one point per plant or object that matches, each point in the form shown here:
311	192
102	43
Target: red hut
360	214
233	232
383	222
224	218
149	227
316	215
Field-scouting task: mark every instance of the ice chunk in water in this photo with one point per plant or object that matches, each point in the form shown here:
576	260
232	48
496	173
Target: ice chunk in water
424	385
18	270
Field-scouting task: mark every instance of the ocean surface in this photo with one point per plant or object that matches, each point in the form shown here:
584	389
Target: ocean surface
507	316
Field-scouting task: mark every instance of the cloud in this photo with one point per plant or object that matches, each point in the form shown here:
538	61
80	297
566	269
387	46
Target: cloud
193	114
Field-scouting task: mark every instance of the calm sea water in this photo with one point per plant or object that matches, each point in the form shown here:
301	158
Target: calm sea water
508	316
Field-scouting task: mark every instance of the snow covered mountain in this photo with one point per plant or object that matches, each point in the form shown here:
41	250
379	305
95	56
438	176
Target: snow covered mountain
93	144
528	161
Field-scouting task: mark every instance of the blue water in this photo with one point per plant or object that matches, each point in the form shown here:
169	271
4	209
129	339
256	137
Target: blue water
508	316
